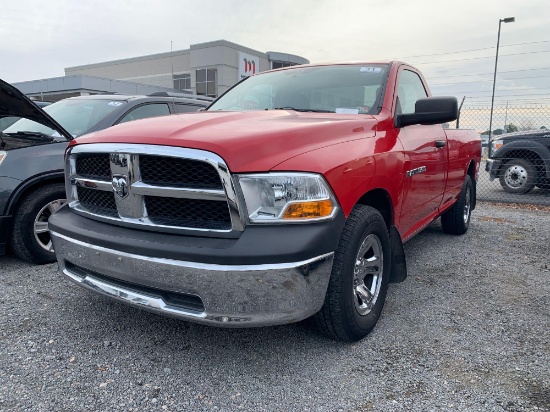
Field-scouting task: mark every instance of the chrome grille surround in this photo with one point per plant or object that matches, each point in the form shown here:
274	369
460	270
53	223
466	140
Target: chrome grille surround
130	201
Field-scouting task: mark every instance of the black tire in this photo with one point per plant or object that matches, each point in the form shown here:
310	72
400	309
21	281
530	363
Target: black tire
544	183
456	220
24	243
518	176
340	317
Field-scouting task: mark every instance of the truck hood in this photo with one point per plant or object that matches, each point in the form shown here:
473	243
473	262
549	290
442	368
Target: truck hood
527	134
13	103
253	141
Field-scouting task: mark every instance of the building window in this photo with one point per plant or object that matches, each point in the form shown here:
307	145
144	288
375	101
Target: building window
280	65
182	81
207	82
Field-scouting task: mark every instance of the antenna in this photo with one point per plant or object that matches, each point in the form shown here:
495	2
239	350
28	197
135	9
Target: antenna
171	63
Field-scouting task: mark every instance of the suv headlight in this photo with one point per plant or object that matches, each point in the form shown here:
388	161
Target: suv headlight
3	156
287	197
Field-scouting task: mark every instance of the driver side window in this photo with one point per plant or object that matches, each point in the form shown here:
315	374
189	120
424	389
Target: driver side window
409	90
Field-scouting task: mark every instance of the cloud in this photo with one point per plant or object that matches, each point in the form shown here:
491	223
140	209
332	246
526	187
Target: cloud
39	39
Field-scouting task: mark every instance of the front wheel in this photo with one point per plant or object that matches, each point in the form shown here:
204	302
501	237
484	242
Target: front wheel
517	176
359	279
31	239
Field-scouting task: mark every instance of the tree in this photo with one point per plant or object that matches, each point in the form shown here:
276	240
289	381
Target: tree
543	128
511	128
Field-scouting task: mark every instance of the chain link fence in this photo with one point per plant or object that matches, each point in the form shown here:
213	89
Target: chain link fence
516	162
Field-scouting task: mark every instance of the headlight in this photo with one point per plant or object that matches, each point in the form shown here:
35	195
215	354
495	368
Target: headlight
287	197
3	156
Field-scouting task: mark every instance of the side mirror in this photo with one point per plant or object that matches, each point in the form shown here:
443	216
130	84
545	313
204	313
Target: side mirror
430	110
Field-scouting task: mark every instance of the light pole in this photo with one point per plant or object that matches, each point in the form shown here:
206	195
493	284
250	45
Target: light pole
506	20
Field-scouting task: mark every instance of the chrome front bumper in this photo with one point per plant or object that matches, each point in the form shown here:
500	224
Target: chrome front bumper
230	296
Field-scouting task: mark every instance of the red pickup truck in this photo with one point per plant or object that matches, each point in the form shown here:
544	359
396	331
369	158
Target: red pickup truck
290	196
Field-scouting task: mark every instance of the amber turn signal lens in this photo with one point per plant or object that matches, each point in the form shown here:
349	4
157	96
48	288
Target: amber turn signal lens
308	210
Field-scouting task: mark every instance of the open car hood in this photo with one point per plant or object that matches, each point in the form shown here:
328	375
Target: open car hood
14	103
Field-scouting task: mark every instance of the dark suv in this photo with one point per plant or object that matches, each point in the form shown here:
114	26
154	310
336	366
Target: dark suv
32	149
521	160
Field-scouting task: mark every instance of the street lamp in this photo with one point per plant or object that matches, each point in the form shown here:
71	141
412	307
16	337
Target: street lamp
506	20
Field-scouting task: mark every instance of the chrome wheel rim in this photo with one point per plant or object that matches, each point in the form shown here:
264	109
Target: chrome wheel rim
367	274
41	232
467	205
515	176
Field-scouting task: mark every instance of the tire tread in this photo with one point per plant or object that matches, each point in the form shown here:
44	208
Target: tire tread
329	320
20	242
453	219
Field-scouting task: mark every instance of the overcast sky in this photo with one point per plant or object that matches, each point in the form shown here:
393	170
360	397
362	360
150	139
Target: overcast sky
38	39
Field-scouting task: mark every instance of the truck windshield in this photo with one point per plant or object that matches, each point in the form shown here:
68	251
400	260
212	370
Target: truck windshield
75	115
347	89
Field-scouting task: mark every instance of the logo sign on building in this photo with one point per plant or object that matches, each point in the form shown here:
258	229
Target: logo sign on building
248	65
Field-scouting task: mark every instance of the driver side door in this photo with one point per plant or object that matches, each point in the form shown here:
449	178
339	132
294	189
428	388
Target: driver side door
425	150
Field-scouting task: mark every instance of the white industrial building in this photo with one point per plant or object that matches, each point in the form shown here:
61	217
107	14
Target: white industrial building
205	68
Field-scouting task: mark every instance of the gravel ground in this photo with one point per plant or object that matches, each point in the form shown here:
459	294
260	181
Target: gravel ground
468	330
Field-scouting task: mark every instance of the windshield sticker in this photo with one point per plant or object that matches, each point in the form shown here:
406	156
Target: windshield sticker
344	110
114	104
370	69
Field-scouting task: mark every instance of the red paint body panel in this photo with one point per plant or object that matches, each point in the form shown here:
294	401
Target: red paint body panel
247	141
355	153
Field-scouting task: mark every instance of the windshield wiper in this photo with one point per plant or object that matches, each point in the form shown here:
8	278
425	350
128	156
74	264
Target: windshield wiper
303	110
32	135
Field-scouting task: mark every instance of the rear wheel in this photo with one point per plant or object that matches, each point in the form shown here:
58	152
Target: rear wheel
456	220
517	176
31	239
359	280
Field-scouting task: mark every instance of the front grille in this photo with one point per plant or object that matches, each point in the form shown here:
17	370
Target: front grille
97	200
157	185
175	172
196	213
94	166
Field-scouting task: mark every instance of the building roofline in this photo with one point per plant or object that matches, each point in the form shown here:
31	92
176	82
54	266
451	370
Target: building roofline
227	43
130	60
197	46
82	82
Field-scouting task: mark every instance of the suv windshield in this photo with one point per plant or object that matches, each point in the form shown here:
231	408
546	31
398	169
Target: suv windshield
350	89
76	116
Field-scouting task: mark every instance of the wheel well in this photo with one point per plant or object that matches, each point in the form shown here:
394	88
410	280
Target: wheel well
472	170
22	194
472	173
381	201
525	154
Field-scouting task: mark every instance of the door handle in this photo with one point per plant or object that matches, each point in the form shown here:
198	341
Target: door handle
440	143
